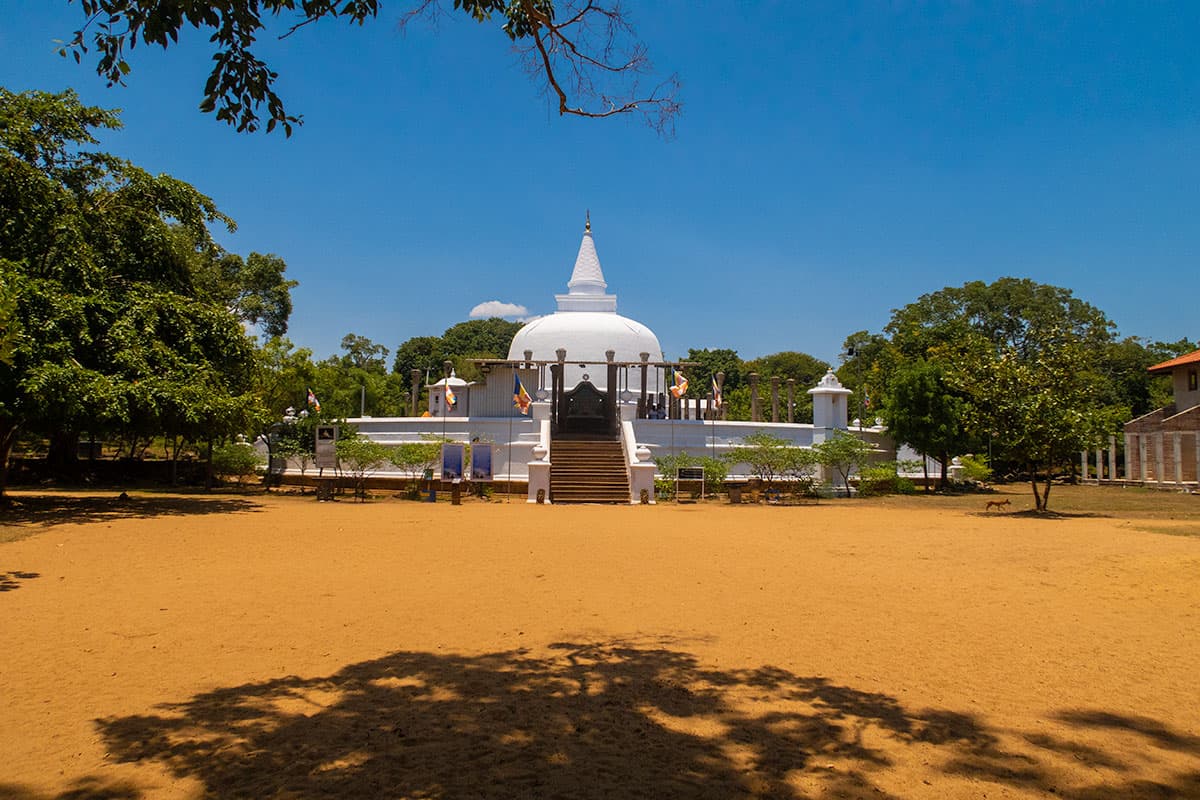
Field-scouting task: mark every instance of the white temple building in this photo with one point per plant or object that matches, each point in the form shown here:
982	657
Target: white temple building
594	375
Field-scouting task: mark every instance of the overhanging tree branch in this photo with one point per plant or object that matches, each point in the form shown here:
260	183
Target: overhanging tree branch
591	63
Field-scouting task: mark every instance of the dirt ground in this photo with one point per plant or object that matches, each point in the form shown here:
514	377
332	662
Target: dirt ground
274	647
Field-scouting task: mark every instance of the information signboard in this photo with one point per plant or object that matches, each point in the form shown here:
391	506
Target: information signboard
481	462
452	461
326	446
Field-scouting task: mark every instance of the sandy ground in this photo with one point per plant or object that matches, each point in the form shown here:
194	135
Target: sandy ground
179	647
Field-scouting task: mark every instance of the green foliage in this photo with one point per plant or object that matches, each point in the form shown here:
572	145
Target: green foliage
709	363
416	457
715	472
1042	409
423	353
241	84
804	369
119	329
10	326
975	468
236	460
1028	366
923	411
361	353
867	365
882	478
771	458
480	338
843	454
359	457
253	290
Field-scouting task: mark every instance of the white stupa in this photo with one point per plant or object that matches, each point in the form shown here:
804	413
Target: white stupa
587	325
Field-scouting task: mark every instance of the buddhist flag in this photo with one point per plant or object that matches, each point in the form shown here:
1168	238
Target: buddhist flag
313	403
716	393
521	398
681	384
450	398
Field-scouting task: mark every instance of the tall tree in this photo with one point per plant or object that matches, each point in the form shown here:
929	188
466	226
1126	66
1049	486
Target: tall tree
924	412
480	338
1027	360
253	289
586	51
114	334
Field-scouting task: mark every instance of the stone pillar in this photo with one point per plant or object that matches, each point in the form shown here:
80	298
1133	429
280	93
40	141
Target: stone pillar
555	379
754	415
774	398
415	376
1083	472
1196	474
1177	442
645	357
1130	457
1112	458
791	386
1099	464
1143	458
614	398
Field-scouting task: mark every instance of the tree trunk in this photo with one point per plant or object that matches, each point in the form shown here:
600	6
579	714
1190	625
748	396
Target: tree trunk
1033	479
1046	492
8	435
174	455
925	466
63	454
208	468
944	461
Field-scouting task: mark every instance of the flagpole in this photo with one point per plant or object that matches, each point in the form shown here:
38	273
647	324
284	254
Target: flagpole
510	435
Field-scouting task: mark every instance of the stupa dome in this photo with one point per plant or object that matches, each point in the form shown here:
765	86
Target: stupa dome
587	325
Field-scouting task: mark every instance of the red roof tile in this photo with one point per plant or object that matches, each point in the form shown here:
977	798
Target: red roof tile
1167	366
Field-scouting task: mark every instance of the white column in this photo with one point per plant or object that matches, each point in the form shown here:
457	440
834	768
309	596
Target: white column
1158	456
1196	474
1177	446
1130	458
1099	464
1143	458
1112	458
1083	464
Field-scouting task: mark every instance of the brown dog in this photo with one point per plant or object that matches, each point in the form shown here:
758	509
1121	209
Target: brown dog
997	504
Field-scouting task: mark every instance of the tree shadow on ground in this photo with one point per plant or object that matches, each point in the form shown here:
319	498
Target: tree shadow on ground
11	581
1030	513
50	509
601	720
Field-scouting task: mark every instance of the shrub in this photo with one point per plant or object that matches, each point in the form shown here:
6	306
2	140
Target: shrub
236	460
975	469
882	478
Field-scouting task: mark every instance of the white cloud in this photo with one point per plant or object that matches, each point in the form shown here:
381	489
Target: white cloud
496	308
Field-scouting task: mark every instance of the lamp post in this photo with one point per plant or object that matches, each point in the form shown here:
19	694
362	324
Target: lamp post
854	350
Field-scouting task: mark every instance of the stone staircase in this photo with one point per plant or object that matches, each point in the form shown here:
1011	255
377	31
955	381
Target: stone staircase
588	471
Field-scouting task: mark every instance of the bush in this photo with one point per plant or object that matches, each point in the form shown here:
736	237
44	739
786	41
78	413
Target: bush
975	469
236	461
359	457
881	479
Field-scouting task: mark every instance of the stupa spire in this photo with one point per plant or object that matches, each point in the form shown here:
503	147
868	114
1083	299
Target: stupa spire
587	290
587	277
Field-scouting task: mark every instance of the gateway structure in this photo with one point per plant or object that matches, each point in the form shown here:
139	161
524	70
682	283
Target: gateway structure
601	413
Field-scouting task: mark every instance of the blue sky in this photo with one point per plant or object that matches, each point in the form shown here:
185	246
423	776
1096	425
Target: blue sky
834	160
